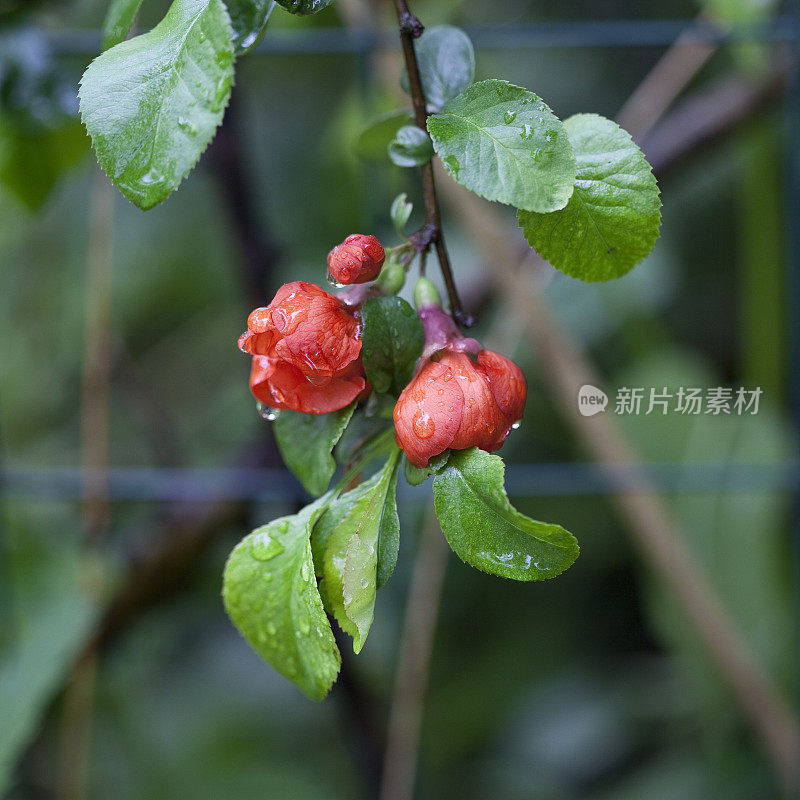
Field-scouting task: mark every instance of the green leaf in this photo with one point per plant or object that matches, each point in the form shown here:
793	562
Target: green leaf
249	21
151	104
400	212
49	610
446	65
306	442
375	139
118	21
304	7
411	147
360	534
503	143
32	161
416	476
271	595
486	531
392	340
612	219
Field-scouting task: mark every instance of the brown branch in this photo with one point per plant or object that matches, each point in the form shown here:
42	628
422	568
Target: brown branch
411	678
431	232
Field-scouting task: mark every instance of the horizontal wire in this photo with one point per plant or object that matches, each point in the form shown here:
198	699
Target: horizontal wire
583	33
522	480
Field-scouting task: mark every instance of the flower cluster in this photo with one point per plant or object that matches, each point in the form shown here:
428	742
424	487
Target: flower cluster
306	348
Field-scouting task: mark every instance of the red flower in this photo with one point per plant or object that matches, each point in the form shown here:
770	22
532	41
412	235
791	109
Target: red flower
307	351
456	402
278	384
358	259
306	327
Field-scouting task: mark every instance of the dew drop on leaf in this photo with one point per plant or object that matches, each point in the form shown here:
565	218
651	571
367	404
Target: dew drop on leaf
509	117
264	547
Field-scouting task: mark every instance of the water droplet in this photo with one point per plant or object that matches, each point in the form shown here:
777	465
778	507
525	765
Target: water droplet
151	177
187	125
551	135
509	117
364	583
526	133
283	526
500	90
264	547
423	425
537	154
451	165
333	282
304	625
271	629
267	412
304	572
202	37
516	425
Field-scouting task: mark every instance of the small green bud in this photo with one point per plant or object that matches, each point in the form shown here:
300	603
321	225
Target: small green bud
392	277
426	294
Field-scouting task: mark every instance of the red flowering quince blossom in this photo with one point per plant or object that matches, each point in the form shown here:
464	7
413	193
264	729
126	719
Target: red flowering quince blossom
358	259
307	351
461	396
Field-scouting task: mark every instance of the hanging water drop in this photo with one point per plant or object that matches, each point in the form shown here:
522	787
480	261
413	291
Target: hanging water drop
333	282
267	412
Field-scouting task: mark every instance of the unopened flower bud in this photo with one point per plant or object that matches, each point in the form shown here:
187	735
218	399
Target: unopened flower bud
358	259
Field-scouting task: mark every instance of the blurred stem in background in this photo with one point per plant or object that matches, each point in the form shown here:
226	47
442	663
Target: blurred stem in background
761	267
74	749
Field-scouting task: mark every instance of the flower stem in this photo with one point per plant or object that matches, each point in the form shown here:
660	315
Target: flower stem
431	232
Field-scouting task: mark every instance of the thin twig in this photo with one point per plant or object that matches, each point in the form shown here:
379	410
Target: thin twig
76	717
431	232
411	678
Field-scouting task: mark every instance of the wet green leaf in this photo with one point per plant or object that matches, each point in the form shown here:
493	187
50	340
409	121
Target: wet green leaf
612	219
304	7
118	21
411	147
446	64
249	22
271	594
375	138
503	143
32	161
359	536
152	104
306	442
486	531
48	613
392	341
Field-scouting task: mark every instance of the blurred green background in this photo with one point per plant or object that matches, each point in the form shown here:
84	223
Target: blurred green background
589	686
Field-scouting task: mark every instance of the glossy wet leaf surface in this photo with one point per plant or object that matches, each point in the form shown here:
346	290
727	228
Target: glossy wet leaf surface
271	594
392	342
486	531
446	64
357	542
306	442
373	141
504	143
304	7
613	218
118	21
249	21
411	147
152	104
